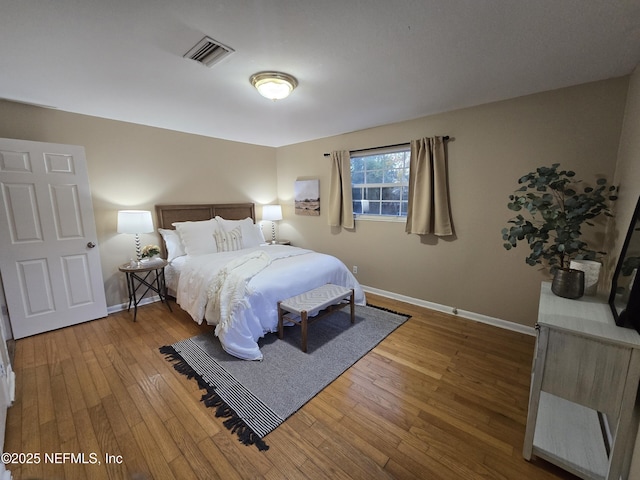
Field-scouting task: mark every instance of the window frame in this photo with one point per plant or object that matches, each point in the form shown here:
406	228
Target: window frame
404	185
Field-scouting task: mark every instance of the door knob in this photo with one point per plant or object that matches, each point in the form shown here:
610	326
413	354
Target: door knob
91	245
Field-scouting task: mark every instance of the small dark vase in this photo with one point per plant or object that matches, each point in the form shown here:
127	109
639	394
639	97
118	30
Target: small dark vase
568	283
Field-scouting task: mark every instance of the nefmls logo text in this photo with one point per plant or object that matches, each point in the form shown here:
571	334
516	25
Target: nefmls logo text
68	457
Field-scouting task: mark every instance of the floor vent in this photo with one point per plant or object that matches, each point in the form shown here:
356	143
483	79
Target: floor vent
208	52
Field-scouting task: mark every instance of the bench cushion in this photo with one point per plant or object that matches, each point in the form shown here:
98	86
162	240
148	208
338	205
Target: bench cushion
315	300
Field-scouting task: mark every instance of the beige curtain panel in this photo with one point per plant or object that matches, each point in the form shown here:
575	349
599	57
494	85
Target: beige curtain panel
340	198
428	207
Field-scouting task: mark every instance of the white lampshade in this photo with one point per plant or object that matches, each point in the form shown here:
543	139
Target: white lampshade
272	212
135	221
274	85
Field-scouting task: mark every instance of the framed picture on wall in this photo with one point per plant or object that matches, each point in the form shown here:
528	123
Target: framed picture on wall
307	197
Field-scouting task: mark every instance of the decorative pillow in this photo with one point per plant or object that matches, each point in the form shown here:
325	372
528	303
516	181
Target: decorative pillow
259	234
250	236
197	237
172	242
228	241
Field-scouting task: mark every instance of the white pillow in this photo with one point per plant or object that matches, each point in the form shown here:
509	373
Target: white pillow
172	242
251	237
228	241
259	234
197	237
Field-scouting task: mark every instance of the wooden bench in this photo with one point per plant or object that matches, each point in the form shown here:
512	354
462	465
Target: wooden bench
315	303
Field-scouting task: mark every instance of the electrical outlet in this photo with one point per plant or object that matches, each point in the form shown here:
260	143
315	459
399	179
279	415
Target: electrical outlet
355	269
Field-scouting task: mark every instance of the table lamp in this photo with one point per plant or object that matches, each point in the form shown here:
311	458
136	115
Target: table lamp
136	222
272	213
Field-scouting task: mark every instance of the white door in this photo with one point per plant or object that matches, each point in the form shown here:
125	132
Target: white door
49	261
7	384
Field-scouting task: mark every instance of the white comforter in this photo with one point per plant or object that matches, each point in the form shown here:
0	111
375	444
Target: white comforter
239	291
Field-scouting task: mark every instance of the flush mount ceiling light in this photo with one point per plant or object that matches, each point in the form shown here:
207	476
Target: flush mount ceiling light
273	85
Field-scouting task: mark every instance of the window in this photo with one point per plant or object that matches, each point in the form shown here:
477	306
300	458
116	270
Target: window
380	182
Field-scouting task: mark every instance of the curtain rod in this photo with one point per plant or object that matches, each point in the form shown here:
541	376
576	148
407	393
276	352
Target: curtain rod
386	146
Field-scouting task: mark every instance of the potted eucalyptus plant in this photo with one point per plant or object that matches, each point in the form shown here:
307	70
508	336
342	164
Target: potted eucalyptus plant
554	210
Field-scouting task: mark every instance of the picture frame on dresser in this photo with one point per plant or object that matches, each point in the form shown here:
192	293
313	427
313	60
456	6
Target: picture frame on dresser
624	298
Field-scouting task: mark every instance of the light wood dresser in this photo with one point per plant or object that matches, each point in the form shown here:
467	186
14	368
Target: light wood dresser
584	383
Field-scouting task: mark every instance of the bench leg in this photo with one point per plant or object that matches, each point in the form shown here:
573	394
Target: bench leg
353	307
280	323
303	324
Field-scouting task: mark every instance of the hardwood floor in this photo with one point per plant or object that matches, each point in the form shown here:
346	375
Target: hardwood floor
440	398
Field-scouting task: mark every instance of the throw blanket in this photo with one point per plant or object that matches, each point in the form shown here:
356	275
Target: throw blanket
197	273
228	290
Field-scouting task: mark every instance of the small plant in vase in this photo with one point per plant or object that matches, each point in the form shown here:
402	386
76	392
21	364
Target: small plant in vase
149	252
556	210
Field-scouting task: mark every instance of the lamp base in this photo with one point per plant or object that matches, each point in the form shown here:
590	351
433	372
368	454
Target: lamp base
138	249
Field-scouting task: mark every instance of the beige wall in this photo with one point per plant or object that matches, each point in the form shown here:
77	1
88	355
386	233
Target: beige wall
132	166
493	145
628	177
628	167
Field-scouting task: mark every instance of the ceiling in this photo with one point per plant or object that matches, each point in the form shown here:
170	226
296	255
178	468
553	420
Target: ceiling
359	63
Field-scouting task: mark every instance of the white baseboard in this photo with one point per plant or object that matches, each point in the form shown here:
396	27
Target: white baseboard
123	306
478	317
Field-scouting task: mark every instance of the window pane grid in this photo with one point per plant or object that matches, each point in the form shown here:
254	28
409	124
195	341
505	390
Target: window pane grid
380	183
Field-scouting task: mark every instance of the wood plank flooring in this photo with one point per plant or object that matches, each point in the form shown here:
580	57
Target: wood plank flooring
440	398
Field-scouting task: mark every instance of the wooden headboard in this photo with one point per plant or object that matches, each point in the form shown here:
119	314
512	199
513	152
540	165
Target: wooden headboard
168	214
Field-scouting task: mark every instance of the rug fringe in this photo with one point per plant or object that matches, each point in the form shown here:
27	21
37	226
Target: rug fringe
211	399
244	433
406	315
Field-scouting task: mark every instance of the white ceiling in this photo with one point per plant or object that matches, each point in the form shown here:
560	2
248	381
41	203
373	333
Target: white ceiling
359	63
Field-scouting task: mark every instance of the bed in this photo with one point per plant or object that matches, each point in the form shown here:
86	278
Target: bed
222	272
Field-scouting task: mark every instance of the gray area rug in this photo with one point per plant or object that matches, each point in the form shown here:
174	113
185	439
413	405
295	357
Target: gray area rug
256	397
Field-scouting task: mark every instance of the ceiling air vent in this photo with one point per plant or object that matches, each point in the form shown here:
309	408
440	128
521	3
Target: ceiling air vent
208	52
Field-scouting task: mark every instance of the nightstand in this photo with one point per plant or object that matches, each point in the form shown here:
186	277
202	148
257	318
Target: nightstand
149	275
